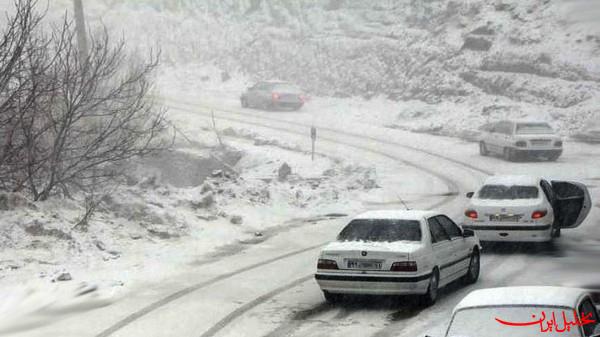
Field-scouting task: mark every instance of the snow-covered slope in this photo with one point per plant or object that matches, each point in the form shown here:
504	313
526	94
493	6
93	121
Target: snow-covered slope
487	59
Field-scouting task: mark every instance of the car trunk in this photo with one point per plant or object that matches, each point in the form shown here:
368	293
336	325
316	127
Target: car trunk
506	211
358	255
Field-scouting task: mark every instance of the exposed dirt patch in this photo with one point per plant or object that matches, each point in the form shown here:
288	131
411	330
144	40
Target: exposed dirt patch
38	229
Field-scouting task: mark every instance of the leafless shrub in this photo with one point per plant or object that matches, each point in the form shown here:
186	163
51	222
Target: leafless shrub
68	119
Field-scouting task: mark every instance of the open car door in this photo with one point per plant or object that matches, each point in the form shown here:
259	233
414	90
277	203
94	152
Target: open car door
573	203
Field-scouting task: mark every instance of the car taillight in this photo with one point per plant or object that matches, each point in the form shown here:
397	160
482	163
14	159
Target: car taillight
275	96
470	213
327	264
302	98
404	266
539	214
558	143
521	143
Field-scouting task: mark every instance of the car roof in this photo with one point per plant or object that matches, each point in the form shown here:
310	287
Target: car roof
396	214
524	120
524	295
275	82
523	180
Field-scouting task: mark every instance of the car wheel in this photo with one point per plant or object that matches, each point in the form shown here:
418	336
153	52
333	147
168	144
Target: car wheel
431	295
553	157
483	149
474	267
244	102
332	298
555	232
509	154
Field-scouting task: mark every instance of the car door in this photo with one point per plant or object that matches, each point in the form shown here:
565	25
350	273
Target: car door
443	251
264	94
587	309
256	94
572	203
460	247
491	136
504	139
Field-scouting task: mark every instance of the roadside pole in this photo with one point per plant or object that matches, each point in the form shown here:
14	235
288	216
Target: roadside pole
81	30
313	137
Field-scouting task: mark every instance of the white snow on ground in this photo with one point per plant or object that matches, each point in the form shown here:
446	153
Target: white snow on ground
149	229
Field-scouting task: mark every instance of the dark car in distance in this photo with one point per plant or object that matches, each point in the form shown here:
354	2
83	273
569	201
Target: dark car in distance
273	95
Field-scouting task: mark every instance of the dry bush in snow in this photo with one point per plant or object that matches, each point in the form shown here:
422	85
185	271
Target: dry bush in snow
68	117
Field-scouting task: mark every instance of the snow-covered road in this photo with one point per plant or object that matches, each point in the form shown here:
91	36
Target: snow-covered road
268	289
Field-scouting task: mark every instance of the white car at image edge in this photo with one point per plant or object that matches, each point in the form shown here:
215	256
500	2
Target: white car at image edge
525	208
398	253
525	312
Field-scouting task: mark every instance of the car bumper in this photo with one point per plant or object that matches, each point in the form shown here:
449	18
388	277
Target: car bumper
288	104
539	152
512	233
339	283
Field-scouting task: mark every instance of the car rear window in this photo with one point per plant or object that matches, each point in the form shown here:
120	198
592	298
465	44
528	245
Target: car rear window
501	192
534	128
287	88
381	230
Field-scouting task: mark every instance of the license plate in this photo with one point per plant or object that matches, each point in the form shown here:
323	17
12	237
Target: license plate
364	265
505	217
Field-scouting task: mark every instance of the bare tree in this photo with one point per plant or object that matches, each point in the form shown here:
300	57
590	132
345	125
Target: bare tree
70	119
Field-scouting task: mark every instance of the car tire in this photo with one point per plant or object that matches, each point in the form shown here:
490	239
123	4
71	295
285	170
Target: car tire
553	157
244	102
332	298
431	295
555	232
474	268
483	149
509	154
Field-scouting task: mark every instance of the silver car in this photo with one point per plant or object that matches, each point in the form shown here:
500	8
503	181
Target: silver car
273	95
517	139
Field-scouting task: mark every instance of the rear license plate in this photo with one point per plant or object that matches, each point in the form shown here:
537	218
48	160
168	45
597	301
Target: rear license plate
364	265
505	217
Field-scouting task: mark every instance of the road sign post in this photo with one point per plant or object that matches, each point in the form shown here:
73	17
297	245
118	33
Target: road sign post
313	137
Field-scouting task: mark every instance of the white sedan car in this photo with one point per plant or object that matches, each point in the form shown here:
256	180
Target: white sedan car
525	208
516	139
397	253
525	312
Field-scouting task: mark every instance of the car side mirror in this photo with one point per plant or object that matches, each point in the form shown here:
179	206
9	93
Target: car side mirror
467	233
470	194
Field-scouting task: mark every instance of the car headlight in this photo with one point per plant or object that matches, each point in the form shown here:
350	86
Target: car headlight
558	143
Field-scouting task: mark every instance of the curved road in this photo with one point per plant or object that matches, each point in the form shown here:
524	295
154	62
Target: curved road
268	289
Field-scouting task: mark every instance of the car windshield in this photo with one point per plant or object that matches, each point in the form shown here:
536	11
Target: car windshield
384	230
287	88
533	128
495	322
501	192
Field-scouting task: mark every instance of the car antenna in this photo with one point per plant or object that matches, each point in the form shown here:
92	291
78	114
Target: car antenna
402	201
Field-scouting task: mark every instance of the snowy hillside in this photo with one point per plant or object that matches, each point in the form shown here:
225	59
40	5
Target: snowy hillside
487	59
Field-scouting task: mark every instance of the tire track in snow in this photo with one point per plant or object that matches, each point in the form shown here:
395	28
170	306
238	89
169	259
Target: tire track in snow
342	132
186	291
453	193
